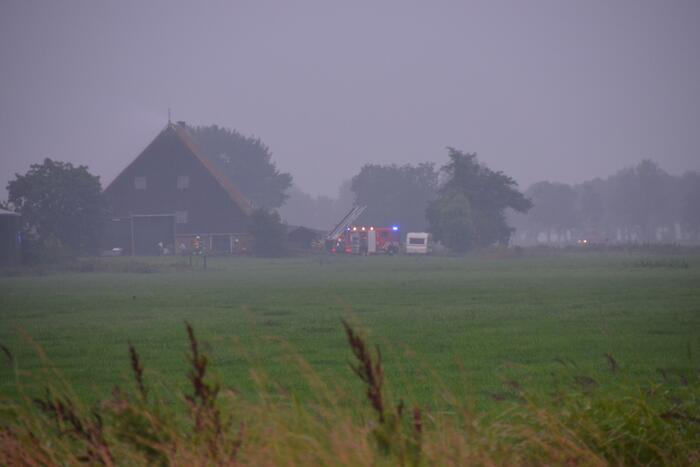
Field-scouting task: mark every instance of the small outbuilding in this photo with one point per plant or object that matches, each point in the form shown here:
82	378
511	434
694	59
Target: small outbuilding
10	238
303	238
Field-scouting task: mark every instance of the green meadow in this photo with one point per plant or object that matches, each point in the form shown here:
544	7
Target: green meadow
471	326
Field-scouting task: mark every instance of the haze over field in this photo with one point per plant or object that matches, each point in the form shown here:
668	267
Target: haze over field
543	90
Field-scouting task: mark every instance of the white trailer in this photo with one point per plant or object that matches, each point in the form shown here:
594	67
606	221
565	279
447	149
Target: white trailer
417	243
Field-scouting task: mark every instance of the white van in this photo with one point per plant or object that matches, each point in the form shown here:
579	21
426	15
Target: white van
417	243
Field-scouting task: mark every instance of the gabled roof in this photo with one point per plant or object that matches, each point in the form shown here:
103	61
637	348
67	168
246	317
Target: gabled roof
183	135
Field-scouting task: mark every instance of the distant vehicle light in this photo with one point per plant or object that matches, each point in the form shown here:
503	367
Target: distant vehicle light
394	228
354	228
371	228
363	228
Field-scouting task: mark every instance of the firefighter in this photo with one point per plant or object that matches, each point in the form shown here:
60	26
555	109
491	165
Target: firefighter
364	244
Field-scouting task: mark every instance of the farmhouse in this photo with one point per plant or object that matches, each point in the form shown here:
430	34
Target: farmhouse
170	194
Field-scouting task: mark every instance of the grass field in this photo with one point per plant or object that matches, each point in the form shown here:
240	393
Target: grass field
468	325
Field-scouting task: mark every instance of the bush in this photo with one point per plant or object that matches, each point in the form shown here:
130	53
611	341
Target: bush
269	234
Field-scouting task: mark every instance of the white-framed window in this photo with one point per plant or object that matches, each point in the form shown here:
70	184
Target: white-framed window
181	217
183	182
139	183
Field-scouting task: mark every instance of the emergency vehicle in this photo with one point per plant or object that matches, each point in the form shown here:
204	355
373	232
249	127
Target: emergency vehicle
347	238
367	240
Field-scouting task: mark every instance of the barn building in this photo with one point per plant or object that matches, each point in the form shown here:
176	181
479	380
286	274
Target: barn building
170	194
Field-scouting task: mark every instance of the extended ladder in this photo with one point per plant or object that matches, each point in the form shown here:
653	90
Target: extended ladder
349	218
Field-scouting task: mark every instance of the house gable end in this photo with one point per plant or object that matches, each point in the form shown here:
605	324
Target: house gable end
153	184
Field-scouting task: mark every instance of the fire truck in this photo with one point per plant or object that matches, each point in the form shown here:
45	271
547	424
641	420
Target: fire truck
368	240
347	238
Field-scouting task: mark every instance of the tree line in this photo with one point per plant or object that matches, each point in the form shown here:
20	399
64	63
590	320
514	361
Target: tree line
642	204
463	203
467	200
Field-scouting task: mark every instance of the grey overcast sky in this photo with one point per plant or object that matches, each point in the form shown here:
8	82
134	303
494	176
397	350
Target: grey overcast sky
560	90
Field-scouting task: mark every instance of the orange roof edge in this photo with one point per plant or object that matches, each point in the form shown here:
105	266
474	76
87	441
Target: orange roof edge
211	167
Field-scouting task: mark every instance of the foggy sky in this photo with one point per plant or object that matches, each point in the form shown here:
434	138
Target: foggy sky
559	90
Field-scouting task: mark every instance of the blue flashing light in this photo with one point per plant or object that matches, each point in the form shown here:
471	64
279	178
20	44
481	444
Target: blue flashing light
395	228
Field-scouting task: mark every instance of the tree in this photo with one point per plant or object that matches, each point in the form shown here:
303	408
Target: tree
269	233
641	200
554	207
301	208
60	204
690	207
639	203
653	206
320	212
589	206
485	194
395	194
247	161
451	221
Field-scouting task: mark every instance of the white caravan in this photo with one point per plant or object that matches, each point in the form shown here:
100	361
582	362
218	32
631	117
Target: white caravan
417	243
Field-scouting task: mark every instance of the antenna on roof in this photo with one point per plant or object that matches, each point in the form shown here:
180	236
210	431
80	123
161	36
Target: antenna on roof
169	122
